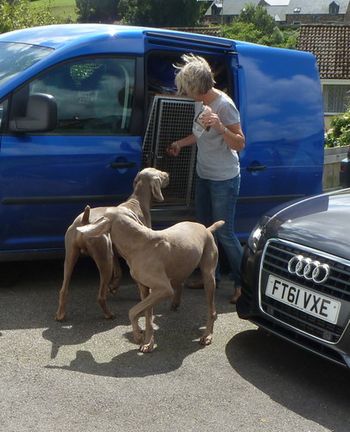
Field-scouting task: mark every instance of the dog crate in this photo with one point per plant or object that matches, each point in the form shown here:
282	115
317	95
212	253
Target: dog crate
170	119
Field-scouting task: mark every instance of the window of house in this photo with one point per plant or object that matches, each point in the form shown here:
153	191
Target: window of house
93	95
336	96
333	8
216	10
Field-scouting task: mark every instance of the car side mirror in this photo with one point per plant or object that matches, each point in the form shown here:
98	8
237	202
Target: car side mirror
41	115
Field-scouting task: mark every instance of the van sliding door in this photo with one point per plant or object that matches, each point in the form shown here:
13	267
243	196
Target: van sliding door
170	118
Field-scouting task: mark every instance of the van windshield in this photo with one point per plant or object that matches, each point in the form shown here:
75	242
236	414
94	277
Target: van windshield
16	57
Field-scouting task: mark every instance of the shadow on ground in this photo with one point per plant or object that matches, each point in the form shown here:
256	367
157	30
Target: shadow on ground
284	372
29	299
177	337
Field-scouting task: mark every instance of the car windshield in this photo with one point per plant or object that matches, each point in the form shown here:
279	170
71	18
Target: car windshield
16	57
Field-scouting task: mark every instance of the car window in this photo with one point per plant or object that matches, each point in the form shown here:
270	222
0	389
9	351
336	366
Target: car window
16	57
93	96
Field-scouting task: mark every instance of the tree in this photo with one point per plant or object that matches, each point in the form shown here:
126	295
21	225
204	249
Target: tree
97	10
258	16
254	24
160	13
20	14
243	31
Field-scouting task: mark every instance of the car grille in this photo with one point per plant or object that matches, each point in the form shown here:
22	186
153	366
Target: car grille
275	261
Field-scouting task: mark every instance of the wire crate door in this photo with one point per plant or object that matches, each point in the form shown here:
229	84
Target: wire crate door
170	120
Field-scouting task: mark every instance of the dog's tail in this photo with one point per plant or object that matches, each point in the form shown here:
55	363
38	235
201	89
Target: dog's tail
86	216
96	229
216	226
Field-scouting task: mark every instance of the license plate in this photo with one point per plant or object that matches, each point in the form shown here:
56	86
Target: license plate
308	301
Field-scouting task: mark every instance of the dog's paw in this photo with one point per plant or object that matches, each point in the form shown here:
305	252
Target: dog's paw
113	289
112	292
60	317
147	348
206	339
174	307
109	316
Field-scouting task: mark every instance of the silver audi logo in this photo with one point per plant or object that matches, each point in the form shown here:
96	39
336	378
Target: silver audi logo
308	269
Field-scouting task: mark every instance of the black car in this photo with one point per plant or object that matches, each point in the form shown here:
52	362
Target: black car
296	274
344	174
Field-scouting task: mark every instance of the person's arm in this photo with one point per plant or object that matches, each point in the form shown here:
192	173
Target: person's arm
233	136
176	146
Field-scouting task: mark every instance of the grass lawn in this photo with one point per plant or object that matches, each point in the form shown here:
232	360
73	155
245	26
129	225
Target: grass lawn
62	9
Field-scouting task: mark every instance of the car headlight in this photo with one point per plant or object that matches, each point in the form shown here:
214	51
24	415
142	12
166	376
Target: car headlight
256	233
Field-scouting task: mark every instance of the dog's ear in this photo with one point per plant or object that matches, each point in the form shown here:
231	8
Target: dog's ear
156	187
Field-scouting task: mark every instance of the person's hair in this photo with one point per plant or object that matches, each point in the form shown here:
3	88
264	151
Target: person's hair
194	76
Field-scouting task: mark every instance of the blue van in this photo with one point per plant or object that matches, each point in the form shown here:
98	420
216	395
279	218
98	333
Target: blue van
83	107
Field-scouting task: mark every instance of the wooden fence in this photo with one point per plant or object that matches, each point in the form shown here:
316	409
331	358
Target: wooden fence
332	159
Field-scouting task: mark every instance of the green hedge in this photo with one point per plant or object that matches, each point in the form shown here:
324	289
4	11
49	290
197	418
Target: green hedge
339	132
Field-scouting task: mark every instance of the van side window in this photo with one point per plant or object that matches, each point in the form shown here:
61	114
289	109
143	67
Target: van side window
93	96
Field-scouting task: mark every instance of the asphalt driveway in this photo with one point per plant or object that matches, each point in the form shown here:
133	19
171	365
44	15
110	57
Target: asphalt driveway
86	374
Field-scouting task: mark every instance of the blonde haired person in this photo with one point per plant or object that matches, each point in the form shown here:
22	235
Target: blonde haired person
219	137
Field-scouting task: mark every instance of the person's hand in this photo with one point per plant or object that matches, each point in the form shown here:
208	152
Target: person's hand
173	149
211	119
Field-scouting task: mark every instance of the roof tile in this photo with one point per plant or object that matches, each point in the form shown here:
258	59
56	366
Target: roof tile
331	46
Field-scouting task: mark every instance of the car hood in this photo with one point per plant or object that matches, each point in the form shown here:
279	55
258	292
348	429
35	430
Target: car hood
321	222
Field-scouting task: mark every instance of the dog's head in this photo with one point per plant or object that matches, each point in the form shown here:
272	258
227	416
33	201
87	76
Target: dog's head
156	179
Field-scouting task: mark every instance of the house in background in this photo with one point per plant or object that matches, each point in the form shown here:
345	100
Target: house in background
284	12
331	46
225	11
324	30
317	12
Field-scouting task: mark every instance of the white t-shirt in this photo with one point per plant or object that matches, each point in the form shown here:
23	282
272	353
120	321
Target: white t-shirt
215	160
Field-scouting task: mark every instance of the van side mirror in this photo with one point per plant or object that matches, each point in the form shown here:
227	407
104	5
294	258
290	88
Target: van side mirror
41	115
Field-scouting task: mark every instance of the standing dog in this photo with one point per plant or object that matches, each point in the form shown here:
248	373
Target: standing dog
159	262
147	186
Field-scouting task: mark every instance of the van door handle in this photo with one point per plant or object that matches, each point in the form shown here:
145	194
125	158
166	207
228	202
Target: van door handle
256	168
120	165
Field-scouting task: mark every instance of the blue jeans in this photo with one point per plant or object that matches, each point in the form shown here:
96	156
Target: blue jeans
217	200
